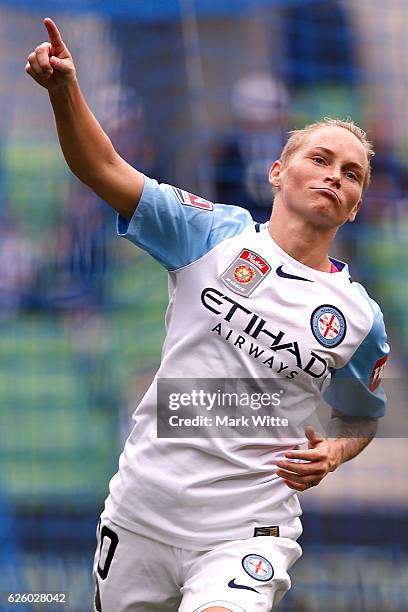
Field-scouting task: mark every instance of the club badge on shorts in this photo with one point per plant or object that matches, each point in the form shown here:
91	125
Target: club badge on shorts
245	273
328	325
258	567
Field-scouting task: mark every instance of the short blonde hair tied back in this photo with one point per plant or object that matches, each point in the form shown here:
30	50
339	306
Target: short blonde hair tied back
296	137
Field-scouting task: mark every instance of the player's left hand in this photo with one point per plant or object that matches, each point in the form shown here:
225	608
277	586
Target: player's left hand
321	457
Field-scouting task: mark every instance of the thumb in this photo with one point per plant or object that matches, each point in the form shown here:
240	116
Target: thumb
313	437
60	64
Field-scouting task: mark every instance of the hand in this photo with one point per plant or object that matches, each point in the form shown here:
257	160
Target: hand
51	63
322	457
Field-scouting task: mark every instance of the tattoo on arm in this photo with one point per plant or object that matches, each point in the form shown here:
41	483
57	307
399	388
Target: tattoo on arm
341	426
352	433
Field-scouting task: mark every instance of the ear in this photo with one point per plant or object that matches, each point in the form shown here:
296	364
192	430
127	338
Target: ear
354	211
274	174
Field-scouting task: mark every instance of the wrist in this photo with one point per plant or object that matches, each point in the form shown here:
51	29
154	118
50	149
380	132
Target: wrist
65	98
336	454
65	89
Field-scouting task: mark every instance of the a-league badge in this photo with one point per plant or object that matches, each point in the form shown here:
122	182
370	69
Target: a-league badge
245	273
328	325
258	567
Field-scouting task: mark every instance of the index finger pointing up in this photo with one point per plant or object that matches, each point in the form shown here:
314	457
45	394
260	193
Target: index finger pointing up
53	34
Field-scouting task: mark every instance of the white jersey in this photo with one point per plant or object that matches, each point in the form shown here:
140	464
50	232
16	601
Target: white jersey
239	308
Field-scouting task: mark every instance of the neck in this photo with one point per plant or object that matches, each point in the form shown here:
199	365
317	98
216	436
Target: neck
307	244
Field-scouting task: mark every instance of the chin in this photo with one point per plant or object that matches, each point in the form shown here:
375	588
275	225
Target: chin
323	217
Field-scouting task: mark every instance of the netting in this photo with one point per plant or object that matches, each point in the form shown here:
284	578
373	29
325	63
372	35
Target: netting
201	95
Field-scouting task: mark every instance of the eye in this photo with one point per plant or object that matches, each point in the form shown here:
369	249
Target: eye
319	160
351	176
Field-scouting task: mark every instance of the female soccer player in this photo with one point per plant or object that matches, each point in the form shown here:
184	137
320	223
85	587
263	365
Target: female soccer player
207	523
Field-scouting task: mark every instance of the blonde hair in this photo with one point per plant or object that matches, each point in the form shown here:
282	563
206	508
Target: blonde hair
297	136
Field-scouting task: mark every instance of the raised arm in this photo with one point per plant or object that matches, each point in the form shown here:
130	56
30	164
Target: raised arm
87	149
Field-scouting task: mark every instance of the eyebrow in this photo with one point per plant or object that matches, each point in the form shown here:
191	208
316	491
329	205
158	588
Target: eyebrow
350	163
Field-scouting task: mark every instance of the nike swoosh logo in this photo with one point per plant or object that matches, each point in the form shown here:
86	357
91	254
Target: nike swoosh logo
282	274
233	585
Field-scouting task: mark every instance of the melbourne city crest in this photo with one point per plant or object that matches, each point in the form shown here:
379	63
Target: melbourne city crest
328	325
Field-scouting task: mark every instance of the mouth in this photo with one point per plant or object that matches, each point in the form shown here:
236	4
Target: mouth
328	191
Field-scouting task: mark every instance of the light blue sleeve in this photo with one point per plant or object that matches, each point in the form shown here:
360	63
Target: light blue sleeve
176	227
355	389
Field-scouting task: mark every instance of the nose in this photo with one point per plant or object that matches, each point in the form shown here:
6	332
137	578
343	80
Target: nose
333	176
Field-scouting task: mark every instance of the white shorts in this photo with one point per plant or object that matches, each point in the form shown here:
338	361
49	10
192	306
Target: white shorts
137	574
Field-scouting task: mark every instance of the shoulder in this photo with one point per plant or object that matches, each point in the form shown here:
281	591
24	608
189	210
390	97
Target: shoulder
369	305
355	388
375	343
178	227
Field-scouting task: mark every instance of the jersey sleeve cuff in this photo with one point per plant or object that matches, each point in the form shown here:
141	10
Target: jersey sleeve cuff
126	227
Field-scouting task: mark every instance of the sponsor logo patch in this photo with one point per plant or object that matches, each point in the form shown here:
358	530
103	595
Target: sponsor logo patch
267	531
189	199
258	567
245	273
328	325
377	373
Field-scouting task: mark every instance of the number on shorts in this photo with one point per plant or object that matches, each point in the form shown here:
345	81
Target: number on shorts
114	541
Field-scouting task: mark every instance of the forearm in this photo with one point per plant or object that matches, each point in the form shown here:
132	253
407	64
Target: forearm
351	435
86	147
346	437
